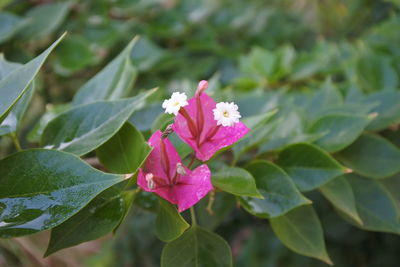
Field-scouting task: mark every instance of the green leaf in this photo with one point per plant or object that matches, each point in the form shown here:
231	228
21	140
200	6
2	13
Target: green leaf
387	105
44	19
144	119
125	151
375	205
95	220
16	84
279	192
236	181
197	247
301	231
372	156
338	191
338	130
13	119
41	188
10	25
169	223
308	165
111	83
84	128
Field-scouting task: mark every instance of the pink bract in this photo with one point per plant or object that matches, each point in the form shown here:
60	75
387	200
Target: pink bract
184	190
209	137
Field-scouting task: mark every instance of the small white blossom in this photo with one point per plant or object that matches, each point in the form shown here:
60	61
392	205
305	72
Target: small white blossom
226	114
150	181
176	101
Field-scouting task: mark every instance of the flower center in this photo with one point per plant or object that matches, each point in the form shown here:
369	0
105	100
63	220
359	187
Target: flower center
176	104
226	114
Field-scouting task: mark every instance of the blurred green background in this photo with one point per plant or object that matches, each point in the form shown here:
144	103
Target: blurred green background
242	48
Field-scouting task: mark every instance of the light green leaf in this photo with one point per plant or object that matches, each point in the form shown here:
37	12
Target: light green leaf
279	192
308	165
338	191
44	19
84	128
169	223
236	181
387	107
372	156
41	188
16	84
338	131
95	220
125	151
301	231
111	83
197	247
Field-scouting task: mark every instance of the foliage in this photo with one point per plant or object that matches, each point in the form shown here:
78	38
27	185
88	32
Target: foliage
321	160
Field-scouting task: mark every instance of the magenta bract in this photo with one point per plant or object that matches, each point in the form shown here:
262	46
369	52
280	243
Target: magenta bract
164	174
195	124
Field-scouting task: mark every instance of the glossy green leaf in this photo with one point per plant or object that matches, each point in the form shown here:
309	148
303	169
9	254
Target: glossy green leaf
387	106
308	165
301	231
125	151
279	192
236	181
372	156
338	130
16	84
13	119
41	188
338	191
74	54
10	25
44	19
144	118
95	220
112	82
375	205
84	128
197	247
169	223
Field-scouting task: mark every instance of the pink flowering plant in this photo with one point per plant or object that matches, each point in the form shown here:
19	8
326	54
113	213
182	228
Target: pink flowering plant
196	165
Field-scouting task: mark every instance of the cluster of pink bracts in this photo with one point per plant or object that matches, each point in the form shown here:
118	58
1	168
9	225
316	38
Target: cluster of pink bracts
163	172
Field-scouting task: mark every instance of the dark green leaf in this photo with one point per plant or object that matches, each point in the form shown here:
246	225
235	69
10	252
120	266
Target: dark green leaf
338	131
375	205
338	191
98	218
279	192
169	223
111	83
84	128
14	85
10	25
236	181
13	119
308	165
144	118
44	19
372	156
301	231
41	188
125	151
197	247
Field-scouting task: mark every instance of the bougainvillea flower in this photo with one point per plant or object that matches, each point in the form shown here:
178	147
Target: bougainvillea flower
164	174
206	126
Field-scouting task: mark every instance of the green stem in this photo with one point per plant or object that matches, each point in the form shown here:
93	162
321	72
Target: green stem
192	161
16	141
193	216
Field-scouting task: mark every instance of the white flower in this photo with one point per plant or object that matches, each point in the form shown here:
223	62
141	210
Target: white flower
226	114
173	104
150	182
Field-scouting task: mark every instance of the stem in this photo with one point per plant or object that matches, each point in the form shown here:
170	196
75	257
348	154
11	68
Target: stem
16	141
193	216
192	161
